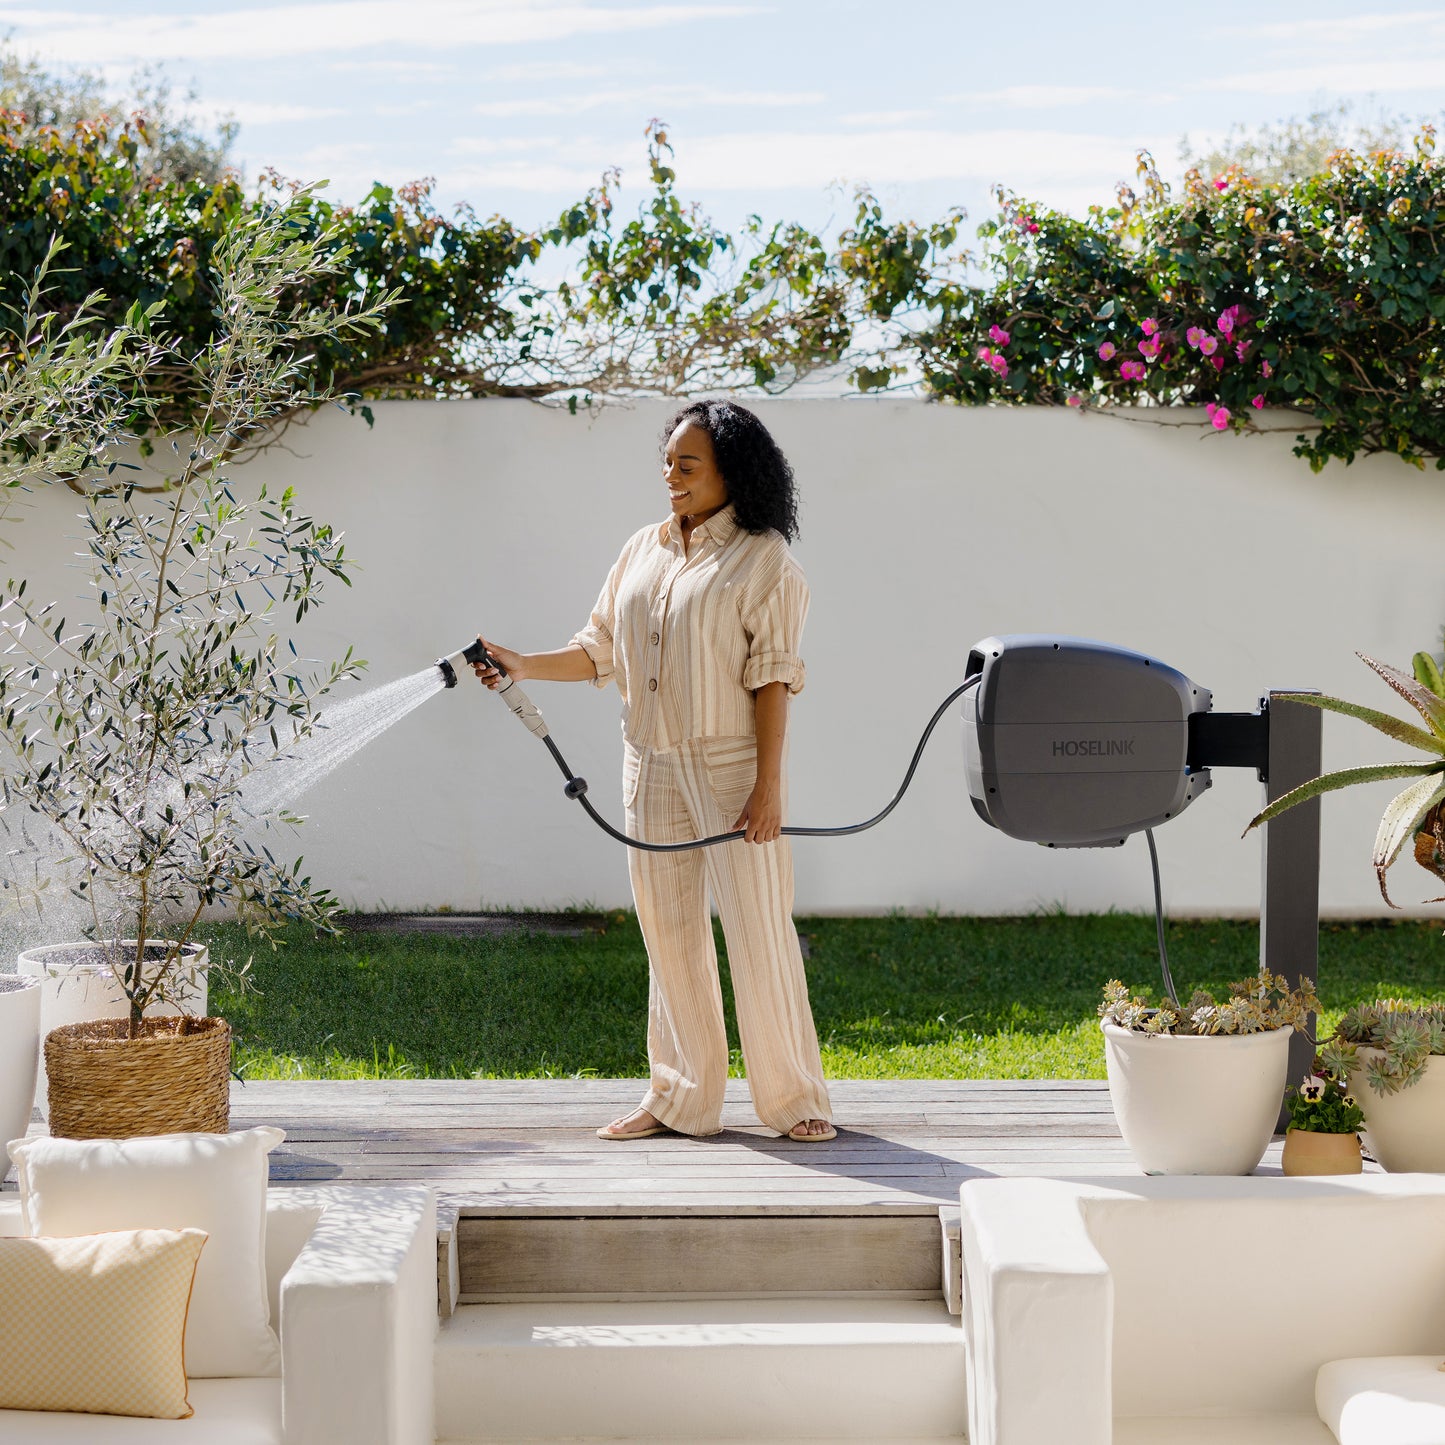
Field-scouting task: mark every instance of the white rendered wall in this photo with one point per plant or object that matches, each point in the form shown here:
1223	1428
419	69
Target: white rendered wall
924	528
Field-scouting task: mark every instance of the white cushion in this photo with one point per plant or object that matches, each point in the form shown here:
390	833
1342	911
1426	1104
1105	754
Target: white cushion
228	1412
215	1182
1383	1400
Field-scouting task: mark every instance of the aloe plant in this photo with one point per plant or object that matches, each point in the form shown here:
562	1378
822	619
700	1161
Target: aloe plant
1414	813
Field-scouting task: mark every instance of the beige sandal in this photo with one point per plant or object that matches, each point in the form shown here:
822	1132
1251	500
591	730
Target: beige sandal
608	1132
807	1138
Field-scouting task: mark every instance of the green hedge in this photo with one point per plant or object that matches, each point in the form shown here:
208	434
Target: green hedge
1324	297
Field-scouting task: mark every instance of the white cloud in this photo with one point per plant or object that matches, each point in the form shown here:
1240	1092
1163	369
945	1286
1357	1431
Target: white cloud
259	32
569	103
885	118
1349	77
398	70
1043	97
259	112
1350	31
549	70
502	145
1064	168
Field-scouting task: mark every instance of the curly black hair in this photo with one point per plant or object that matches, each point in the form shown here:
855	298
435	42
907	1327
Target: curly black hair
754	470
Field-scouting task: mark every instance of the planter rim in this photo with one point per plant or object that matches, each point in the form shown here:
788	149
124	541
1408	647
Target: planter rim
43	953
1257	1040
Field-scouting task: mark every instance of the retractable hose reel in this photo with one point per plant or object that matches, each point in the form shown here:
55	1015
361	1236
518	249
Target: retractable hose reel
1071	743
1067	742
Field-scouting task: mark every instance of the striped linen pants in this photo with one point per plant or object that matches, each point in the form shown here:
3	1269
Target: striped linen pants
693	791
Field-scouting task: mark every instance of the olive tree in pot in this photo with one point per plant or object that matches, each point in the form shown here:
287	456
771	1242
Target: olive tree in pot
1385	1049
132	731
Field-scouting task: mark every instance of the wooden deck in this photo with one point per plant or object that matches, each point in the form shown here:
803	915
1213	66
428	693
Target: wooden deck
528	1146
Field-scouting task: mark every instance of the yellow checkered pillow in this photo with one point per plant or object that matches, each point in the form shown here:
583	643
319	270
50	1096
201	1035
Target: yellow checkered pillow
97	1322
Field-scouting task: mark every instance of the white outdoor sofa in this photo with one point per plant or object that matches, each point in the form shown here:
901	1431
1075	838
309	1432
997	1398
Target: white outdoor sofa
351	1272
1205	1311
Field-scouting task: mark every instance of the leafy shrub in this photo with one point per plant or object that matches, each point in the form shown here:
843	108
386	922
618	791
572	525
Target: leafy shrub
1324	297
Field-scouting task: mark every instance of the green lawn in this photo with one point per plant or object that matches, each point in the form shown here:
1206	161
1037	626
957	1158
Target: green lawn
895	997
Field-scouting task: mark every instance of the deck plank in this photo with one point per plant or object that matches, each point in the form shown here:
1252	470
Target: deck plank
528	1146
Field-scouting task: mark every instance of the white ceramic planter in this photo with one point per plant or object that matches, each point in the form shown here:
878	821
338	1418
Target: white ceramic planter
1195	1104
1405	1131
73	993
19	1056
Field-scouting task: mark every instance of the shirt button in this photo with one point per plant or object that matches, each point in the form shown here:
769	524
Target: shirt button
652	684
656	638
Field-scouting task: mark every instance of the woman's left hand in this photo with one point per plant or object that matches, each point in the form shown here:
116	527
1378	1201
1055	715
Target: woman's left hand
762	816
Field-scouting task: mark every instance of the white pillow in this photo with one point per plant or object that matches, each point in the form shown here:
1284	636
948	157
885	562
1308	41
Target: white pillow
215	1182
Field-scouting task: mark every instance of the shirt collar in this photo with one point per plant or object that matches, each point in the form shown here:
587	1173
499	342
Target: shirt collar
718	529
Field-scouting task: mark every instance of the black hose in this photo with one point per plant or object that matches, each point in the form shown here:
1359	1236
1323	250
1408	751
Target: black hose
577	789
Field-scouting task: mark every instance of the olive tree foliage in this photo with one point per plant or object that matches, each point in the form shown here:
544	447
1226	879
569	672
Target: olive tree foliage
131	731
66	386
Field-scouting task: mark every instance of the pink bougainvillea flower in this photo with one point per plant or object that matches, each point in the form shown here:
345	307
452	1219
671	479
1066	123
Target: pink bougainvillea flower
1266	368
1150	347
1257	402
1032	228
1219	417
990	357
1217	362
1226	322
1132	370
1208	345
1210	408
1074	400
1241	349
1195	335
997	333
1149	326
1107	350
1221	183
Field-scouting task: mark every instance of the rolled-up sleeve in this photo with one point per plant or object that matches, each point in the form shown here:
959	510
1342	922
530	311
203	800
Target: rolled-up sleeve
773	617
596	639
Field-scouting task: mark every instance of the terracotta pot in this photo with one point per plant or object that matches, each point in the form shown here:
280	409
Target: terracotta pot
1307	1151
1196	1104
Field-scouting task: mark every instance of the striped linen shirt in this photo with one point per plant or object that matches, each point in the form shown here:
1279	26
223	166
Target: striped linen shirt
690	635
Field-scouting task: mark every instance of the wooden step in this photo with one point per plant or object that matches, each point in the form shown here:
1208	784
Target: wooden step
757	1370
505	1257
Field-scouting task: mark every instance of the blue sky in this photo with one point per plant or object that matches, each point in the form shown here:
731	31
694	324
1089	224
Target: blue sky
518	105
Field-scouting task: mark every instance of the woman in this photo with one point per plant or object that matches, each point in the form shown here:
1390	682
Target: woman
699	624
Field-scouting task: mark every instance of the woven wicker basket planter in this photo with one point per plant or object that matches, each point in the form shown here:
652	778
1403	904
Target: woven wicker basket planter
175	1078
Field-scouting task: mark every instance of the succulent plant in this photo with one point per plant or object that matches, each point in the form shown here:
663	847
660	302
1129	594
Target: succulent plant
1253	1005
1419	811
1404	1034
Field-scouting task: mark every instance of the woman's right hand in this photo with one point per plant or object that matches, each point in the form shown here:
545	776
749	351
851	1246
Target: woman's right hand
514	662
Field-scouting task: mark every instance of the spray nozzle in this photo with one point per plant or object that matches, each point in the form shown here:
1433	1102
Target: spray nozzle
472	654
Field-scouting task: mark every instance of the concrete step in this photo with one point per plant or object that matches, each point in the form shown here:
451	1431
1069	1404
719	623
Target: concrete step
756	1370
511	1257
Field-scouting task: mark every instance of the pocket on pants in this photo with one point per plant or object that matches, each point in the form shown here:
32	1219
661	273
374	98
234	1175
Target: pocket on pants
731	765
631	772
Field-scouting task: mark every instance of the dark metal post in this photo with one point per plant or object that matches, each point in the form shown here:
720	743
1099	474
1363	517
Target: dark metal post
1289	906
